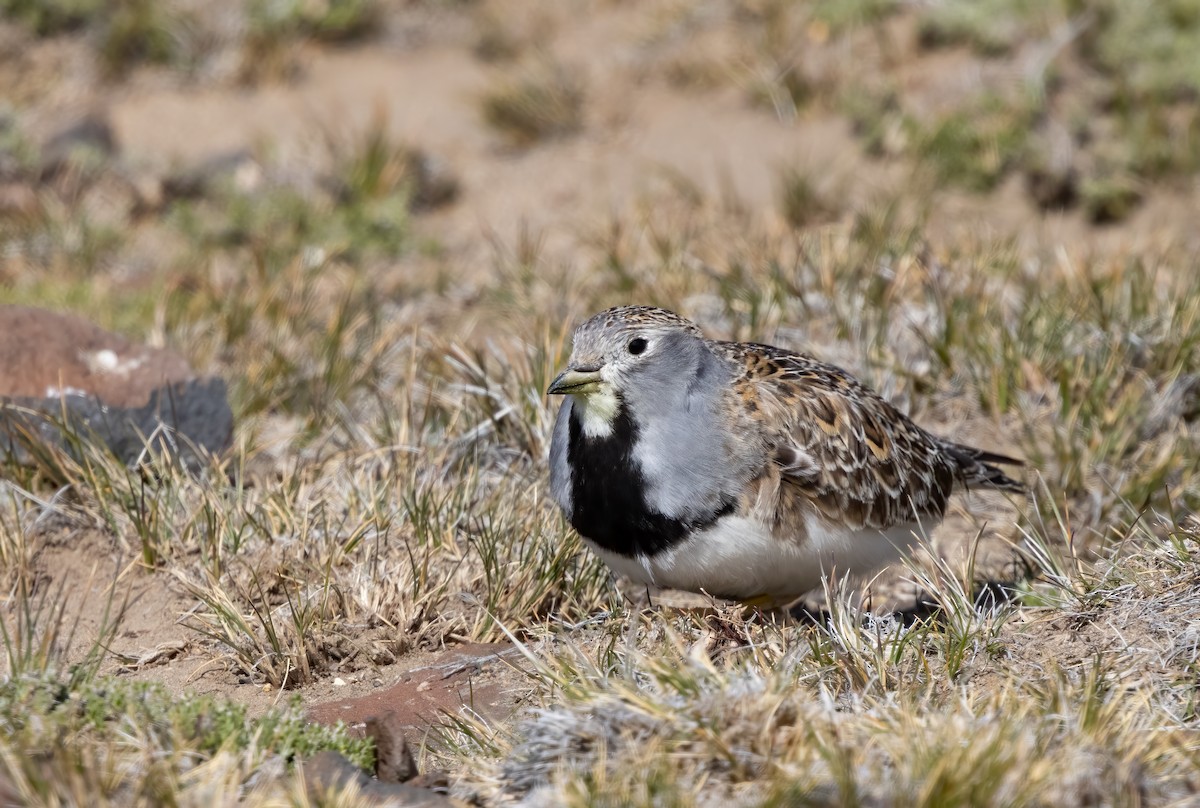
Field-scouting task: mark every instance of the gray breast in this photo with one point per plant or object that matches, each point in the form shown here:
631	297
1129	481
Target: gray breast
686	451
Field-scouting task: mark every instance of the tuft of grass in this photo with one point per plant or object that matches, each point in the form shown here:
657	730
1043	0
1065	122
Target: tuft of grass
1107	199
18	154
877	119
75	246
375	173
37	642
801	202
786	90
502	32
976	146
276	30
136	32
278	645
1149	51
539	103
773	69
345	20
993	28
326	20
847	15
857	709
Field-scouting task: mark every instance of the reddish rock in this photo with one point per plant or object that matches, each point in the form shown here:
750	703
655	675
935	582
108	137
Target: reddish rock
470	675
107	386
47	354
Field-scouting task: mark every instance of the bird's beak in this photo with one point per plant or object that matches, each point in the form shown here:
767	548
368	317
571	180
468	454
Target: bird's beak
575	380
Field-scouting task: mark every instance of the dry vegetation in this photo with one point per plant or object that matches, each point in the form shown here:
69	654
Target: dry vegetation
386	492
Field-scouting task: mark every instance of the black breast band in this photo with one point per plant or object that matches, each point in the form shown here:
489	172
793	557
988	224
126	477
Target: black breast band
608	494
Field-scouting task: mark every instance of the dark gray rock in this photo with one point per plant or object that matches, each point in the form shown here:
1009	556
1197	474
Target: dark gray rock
237	169
84	146
186	420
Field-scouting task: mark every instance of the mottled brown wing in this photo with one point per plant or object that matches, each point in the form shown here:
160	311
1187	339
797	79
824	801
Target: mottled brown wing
855	457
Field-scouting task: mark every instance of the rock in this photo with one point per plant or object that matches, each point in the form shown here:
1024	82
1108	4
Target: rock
329	771
471	675
239	169
47	354
434	182
178	419
60	374
394	761
81	146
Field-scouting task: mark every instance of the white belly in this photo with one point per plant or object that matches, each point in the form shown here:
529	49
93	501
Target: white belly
739	558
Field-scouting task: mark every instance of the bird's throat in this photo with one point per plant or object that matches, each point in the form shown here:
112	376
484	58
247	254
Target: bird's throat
597	411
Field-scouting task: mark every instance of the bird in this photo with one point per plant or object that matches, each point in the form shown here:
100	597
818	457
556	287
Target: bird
740	470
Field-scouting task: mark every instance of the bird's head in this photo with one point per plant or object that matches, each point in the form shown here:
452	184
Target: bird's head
623	354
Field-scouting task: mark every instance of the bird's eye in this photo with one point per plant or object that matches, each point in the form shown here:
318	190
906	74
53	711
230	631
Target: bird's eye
637	345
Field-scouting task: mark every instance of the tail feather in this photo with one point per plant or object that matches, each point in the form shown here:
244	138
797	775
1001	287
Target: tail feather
978	468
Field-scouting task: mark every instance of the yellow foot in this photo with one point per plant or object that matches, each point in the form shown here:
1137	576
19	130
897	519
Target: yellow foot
761	602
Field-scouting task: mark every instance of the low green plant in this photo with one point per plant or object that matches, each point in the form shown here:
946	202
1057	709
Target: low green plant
136	31
1111	198
50	17
993	27
327	20
974	146
115	737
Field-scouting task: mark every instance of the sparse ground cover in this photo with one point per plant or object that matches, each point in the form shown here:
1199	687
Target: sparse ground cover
386	493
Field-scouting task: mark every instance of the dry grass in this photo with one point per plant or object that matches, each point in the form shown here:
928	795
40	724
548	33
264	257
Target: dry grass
386	491
1084	700
540	101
